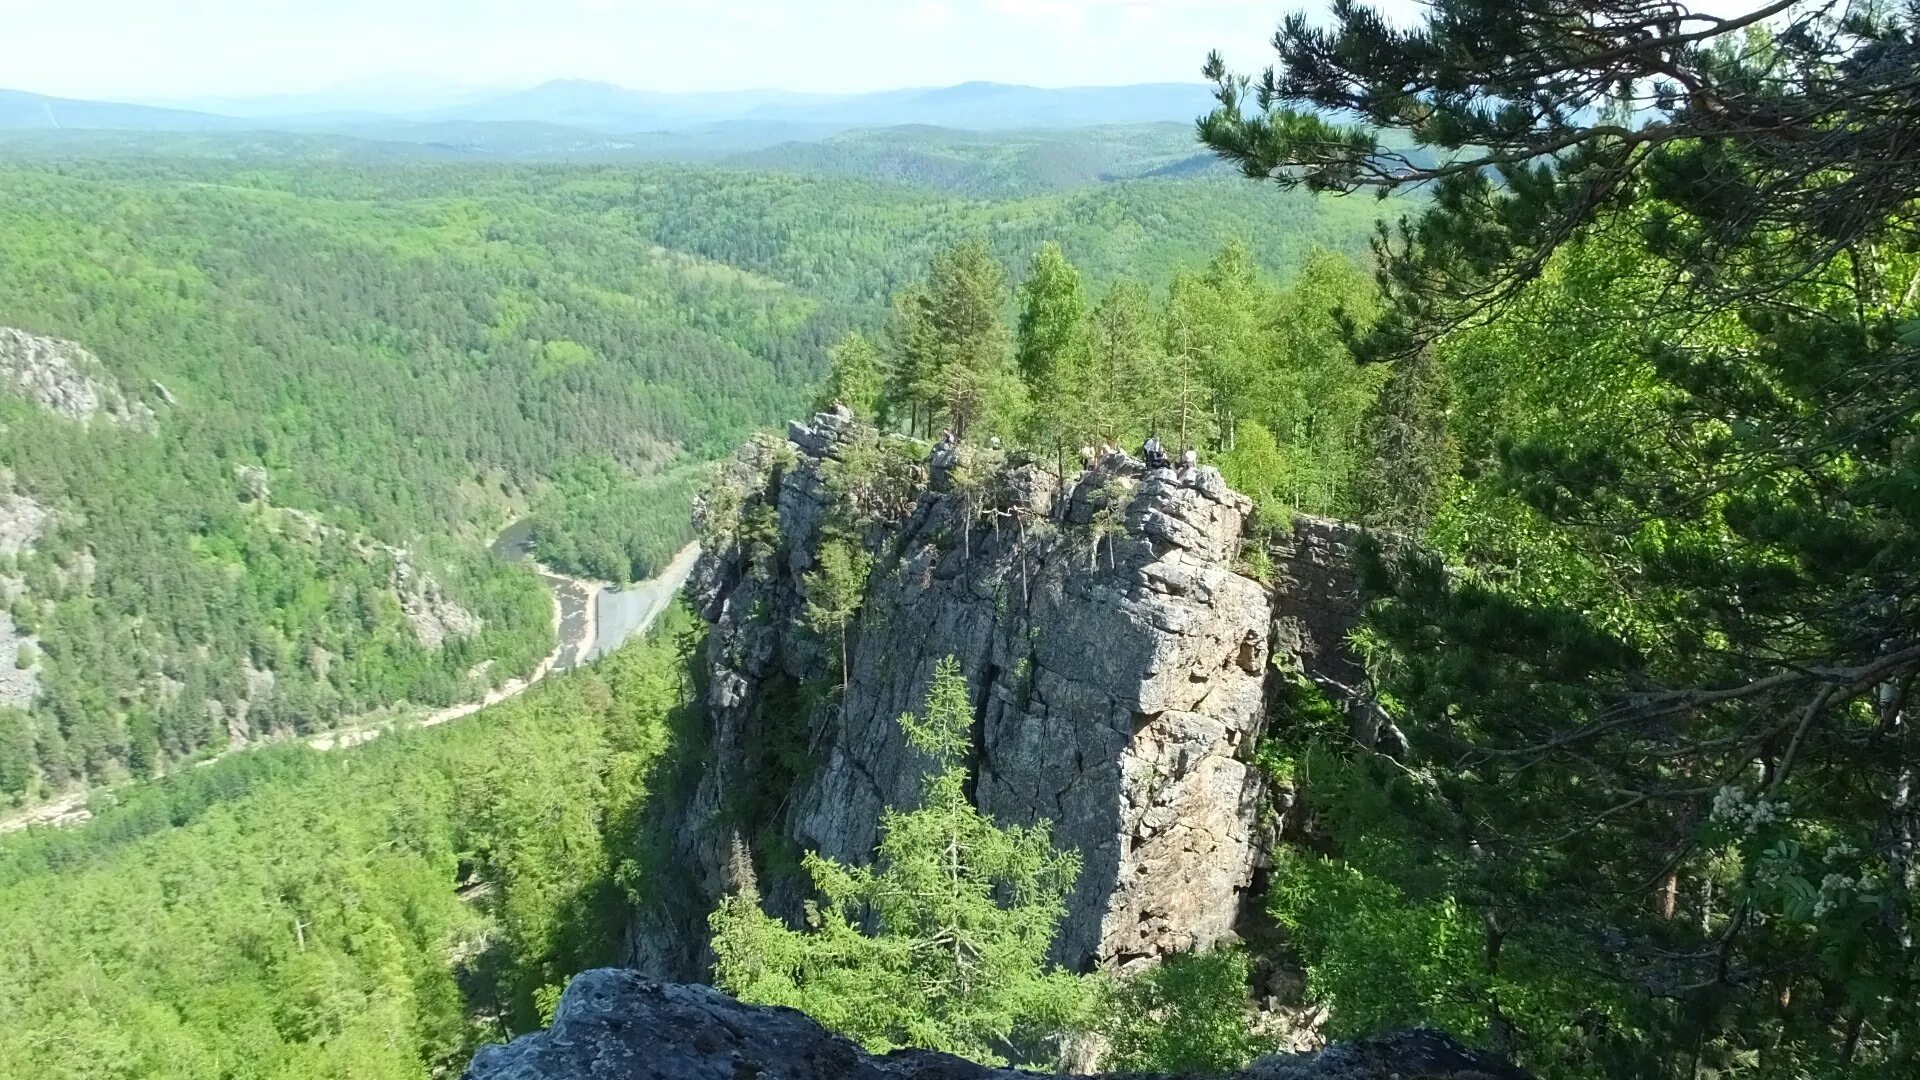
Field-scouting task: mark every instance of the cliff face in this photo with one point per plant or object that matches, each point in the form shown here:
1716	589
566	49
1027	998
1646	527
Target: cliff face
1120	658
615	1025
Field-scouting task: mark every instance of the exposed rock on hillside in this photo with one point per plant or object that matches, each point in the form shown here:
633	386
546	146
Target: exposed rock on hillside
435	616
1120	659
19	683
616	1025
64	379
22	522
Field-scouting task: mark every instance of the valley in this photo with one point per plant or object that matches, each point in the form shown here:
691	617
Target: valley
1403	562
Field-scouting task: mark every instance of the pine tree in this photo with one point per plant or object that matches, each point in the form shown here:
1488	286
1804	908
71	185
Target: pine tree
1659	704
963	911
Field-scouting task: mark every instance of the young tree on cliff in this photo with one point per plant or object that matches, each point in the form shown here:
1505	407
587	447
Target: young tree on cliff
1672	251
964	912
835	592
854	377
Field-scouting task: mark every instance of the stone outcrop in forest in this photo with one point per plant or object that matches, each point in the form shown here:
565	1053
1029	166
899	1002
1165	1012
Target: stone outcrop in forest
616	1025
64	379
1113	627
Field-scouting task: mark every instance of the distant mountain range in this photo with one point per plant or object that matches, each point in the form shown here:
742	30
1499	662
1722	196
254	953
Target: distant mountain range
614	110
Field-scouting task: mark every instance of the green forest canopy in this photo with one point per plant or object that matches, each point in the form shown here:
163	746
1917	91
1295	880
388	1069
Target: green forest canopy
416	353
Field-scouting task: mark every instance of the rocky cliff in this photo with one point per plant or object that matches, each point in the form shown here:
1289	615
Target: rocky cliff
1114	628
615	1025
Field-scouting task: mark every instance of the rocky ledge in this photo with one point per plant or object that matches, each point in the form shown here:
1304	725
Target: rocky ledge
617	1025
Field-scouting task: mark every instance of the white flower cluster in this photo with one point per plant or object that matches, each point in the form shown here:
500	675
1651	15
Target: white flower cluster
1834	889
1735	807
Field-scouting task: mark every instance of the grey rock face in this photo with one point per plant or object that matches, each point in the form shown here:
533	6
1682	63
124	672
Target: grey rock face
22	522
18	685
1118	657
64	379
617	1025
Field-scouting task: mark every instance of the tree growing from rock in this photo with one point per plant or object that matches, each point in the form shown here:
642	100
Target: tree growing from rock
962	911
835	592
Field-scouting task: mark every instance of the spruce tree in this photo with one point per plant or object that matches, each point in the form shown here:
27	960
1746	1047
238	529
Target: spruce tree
962	910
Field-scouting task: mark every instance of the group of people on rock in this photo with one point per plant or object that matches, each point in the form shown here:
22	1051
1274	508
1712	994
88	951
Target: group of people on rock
1153	454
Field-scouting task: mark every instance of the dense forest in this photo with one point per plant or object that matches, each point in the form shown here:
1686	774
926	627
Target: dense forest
357	372
374	913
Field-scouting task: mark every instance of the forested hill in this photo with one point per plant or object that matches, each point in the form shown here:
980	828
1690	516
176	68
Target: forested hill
358	370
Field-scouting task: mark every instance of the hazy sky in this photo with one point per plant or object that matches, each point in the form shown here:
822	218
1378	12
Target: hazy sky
159	49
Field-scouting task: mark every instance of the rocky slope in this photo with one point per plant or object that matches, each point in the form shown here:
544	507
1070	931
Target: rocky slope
615	1025
1121	656
64	379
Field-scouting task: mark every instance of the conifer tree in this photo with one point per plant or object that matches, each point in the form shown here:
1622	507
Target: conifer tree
854	377
963	912
1659	705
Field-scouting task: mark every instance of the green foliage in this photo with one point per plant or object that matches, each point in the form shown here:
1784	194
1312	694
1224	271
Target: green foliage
1188	1015
290	913
835	592
1653	403
854	377
601	522
953	355
963	912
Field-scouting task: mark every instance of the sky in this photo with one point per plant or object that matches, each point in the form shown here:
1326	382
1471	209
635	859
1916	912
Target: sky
180	50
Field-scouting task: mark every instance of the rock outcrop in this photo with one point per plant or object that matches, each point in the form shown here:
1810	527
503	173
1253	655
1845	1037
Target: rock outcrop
616	1025
22	522
64	379
1120	655
433	614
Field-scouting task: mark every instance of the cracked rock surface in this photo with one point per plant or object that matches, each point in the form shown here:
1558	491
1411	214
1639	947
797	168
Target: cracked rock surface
1119	659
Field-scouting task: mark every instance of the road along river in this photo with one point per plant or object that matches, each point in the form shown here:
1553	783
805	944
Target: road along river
591	619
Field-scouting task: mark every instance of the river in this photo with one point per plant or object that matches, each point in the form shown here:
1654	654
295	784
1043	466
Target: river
597	617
